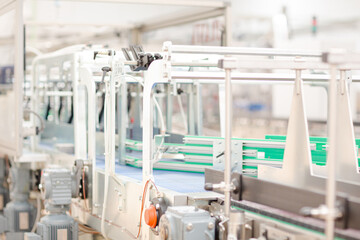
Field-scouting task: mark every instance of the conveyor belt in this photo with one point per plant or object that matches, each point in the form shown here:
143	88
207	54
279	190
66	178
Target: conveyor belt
182	182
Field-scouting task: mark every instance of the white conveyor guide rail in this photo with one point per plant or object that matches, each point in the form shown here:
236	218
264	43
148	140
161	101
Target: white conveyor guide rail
218	77
240	51
171	50
296	136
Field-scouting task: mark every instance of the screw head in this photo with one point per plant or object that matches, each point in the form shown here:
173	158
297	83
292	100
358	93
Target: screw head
189	227
211	225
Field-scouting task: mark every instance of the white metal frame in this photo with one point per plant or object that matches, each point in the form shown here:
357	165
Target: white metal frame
297	149
160	72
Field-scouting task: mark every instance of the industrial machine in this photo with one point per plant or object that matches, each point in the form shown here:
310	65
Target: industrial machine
58	186
259	203
97	146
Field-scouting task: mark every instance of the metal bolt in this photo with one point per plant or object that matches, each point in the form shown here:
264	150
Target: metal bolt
248	226
189	226
211	225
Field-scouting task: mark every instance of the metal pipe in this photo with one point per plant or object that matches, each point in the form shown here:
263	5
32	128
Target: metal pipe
331	168
243	51
261	64
58	93
212	77
130	63
194	64
228	122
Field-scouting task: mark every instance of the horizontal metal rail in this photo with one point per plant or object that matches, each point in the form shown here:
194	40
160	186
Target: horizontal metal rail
243	51
236	76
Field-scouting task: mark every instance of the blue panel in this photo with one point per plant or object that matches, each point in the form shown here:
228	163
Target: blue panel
182	182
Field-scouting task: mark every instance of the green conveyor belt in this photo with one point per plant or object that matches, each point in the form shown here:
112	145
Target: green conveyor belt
268	155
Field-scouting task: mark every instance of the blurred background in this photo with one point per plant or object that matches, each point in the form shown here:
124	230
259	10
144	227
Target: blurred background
258	109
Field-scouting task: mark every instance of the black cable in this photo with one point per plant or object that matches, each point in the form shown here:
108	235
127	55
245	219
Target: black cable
71	112
48	109
128	99
60	108
101	114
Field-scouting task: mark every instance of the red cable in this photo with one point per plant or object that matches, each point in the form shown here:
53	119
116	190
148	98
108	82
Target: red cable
143	201
83	183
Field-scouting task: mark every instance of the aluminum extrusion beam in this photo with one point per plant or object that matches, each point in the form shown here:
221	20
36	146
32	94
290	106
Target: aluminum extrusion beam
209	77
243	51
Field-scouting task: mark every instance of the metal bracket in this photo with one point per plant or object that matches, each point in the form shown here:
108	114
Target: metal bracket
236	155
76	176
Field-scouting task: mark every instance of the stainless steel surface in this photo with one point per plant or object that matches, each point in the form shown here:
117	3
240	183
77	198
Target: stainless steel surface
331	157
243	51
228	133
218	77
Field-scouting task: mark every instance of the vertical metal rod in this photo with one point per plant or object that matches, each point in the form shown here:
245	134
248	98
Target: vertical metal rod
331	159
198	110
137	108
190	110
169	108
228	26
122	115
228	122
221	108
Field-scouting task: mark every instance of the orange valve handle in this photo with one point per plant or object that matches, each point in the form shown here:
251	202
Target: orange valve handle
151	216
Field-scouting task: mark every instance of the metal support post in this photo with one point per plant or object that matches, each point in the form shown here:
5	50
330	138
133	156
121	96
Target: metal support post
190	110
228	26
228	121
198	109
331	181
228	64
122	115
137	108
169	107
221	89
86	79
80	110
155	74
